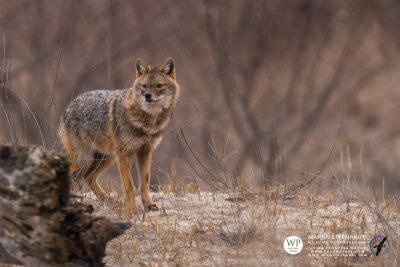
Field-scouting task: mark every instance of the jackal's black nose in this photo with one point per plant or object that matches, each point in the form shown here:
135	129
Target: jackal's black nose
147	96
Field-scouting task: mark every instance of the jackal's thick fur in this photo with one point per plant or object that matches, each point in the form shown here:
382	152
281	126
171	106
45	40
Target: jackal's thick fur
101	127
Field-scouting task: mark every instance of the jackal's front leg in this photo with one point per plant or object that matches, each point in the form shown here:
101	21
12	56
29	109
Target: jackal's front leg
143	160
124	163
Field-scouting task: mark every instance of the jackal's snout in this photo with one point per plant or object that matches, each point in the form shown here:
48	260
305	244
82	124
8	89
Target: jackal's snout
148	97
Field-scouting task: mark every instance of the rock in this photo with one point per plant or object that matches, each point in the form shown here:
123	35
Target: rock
40	225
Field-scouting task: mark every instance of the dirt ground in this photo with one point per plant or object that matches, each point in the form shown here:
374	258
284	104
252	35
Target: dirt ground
222	229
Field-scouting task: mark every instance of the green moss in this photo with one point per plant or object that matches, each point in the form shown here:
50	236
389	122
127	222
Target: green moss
57	246
57	218
60	164
57	243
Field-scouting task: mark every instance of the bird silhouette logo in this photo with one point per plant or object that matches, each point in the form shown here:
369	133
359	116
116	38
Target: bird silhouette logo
379	245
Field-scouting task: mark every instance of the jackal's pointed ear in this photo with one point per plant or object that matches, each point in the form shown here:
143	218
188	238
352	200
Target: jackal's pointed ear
140	67
169	67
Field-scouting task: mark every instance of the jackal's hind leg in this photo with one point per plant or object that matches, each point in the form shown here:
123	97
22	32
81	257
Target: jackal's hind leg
99	163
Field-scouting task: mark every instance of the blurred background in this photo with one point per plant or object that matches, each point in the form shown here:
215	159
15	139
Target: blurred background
271	90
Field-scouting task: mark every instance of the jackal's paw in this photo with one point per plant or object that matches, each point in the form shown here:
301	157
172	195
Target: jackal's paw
152	207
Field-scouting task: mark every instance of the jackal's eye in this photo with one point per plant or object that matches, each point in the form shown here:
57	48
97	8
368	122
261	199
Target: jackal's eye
159	85
144	85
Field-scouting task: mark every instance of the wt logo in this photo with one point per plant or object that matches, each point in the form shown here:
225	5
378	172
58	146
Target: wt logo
293	244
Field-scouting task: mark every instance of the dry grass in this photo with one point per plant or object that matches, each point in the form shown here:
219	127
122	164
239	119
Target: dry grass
200	228
214	228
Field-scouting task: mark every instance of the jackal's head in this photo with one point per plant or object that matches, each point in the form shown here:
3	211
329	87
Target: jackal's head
155	87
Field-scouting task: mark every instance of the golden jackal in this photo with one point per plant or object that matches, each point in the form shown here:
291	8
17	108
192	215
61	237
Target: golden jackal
99	127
